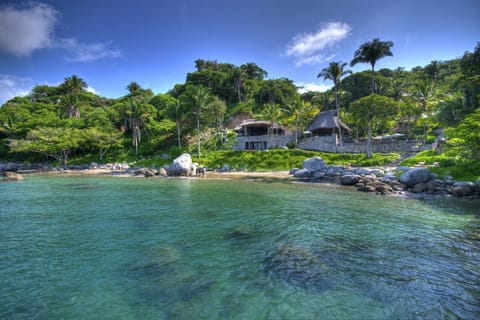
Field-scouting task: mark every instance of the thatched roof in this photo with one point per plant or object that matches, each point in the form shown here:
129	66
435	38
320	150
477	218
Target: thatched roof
327	122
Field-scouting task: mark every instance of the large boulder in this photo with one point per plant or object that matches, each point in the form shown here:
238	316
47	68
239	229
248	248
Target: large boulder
349	179
181	165
463	188
314	164
415	176
302	173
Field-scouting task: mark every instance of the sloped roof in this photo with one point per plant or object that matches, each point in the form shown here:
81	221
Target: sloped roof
257	123
327	120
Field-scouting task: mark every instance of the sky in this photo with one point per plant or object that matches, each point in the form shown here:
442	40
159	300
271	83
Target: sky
110	43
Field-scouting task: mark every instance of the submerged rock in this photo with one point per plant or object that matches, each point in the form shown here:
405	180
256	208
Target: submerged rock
242	233
297	266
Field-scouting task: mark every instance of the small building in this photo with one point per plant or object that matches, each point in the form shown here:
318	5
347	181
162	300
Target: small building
255	134
327	123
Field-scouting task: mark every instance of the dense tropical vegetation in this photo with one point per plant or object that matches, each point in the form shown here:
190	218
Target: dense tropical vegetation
68	124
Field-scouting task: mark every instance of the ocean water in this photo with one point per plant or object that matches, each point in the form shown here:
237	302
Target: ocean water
135	248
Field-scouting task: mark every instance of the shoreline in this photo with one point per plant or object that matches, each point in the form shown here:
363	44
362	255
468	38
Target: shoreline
280	176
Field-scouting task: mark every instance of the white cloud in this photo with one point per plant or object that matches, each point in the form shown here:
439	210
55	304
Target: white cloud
306	87
92	90
84	52
29	27
11	86
313	48
24	29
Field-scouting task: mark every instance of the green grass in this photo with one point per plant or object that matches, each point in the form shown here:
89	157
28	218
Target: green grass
285	159
449	164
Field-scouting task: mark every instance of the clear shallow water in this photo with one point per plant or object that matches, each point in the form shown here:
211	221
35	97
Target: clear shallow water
130	248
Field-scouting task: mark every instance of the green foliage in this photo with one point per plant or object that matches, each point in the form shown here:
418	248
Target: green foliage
464	139
375	110
449	163
57	143
429	157
443	94
280	159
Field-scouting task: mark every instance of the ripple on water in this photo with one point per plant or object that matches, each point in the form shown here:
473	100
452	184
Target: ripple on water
74	247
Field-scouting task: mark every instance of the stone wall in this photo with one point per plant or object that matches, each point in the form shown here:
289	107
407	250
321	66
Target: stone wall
270	141
329	144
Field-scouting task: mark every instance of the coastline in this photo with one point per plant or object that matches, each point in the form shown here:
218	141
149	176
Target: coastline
280	176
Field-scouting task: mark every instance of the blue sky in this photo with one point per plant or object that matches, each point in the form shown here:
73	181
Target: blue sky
110	43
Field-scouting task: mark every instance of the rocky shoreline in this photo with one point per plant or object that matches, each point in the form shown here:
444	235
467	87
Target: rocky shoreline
393	181
386	180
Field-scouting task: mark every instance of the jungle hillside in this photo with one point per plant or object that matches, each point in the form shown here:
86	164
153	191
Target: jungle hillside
67	124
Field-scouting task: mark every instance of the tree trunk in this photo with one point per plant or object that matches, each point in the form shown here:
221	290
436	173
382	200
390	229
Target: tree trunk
296	132
178	135
369	141
337	107
372	91
198	133
239	85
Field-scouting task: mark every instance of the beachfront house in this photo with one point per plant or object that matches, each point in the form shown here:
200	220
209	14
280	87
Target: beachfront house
323	133
255	134
326	123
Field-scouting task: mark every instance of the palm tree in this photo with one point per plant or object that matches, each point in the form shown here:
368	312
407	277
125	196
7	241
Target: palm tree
136	117
300	110
424	93
71	102
199	98
371	52
324	100
271	112
335	71
74	84
133	87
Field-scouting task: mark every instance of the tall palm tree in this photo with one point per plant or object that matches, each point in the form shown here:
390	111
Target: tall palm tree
74	84
371	52
199	98
335	71
136	117
424	93
133	87
71	102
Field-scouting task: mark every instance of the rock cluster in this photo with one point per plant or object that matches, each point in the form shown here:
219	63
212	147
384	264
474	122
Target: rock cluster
384	181
11	176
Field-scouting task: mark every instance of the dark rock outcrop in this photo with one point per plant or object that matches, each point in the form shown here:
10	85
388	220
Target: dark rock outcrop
349	179
297	266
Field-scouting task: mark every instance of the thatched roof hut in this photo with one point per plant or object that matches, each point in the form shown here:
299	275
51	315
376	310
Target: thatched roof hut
327	122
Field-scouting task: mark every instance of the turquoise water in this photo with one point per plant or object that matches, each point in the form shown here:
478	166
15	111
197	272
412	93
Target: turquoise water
135	248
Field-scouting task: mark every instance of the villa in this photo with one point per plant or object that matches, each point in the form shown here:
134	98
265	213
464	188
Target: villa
261	135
